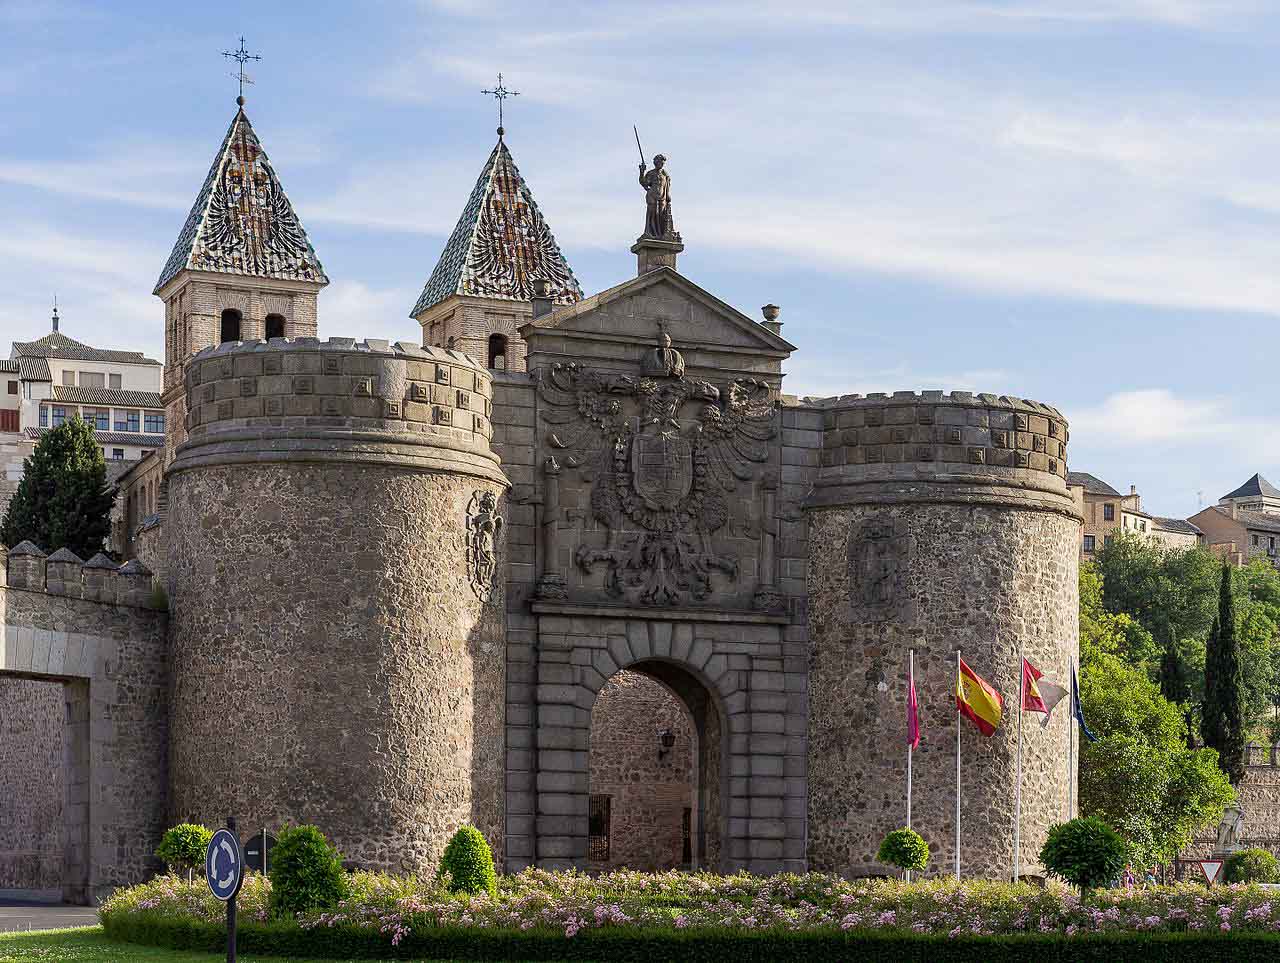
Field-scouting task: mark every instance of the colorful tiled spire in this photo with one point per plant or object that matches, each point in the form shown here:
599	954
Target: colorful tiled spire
500	245
242	221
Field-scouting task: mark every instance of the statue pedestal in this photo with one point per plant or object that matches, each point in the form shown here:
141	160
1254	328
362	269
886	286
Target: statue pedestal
652	253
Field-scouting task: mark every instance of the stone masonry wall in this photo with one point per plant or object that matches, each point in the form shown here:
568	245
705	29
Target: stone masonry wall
334	641
649	796
984	579
111	658
32	835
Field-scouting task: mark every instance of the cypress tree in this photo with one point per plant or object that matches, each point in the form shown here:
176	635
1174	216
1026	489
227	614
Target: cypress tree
1222	716
62	500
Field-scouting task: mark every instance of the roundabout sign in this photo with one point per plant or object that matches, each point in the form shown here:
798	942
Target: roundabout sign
224	865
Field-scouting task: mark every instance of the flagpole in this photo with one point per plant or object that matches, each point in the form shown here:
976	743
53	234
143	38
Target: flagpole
957	768
911	682
1017	792
1071	739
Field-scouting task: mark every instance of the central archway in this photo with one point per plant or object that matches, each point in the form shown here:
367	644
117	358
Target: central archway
655	783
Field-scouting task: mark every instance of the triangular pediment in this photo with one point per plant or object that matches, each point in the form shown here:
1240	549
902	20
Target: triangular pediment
500	245
242	221
632	311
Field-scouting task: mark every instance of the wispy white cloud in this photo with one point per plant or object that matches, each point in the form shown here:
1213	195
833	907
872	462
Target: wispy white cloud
1160	416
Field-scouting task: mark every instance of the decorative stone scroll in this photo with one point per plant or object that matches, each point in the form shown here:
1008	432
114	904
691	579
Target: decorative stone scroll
484	528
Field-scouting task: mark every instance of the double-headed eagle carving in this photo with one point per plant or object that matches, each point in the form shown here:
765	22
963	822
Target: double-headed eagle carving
664	455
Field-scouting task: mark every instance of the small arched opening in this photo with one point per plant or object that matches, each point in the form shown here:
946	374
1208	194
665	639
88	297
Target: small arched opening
654	772
498	352
229	330
275	326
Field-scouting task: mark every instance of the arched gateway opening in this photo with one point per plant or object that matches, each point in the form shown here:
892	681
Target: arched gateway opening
655	772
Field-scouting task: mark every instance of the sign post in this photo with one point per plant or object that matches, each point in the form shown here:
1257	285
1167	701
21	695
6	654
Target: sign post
224	871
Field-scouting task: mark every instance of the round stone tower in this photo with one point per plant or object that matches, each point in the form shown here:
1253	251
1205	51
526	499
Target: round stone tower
939	522
336	591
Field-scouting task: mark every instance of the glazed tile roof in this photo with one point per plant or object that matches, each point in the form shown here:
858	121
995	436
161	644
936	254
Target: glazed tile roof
111	437
1179	525
106	396
34	369
1091	483
55	344
500	245
9	367
242	221
1257	486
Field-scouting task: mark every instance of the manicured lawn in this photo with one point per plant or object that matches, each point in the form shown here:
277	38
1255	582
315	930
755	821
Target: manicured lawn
88	945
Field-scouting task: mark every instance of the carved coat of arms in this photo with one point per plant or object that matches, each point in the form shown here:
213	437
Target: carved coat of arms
876	550
663	453
484	527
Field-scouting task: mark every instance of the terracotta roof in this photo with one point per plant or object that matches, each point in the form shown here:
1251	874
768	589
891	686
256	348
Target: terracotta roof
500	245
1091	484
242	221
34	369
1257	487
55	344
112	437
106	396
1179	525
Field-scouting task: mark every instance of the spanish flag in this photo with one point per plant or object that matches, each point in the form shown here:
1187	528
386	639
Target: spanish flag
977	700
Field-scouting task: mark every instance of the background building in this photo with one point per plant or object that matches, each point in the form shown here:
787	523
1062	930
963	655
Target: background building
55	378
1245	524
1105	511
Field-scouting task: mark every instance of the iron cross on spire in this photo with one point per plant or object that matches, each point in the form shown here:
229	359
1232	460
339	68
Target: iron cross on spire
241	56
500	93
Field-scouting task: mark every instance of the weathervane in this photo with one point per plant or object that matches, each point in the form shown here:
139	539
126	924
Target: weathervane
241	56
500	93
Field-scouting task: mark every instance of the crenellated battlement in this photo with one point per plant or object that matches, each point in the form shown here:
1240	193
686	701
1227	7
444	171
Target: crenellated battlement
937	437
65	573
307	400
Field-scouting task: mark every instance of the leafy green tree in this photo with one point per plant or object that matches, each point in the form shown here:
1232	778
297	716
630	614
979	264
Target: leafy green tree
1139	776
904	848
1251	866
1085	852
62	500
1222	722
184	846
1110	633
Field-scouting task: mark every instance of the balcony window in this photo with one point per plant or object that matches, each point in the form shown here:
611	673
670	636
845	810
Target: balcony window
133	421
153	424
98	418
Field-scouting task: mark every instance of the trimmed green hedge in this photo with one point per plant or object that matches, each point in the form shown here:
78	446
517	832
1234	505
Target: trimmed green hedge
633	946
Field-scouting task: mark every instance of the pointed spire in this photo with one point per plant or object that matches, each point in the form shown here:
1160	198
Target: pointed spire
242	221
500	245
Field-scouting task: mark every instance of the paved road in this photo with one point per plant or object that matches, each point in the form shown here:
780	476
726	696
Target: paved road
17	915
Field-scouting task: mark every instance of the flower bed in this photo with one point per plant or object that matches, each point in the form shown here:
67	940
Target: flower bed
625	915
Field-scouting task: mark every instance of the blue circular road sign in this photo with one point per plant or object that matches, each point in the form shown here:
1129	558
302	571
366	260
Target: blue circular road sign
224	865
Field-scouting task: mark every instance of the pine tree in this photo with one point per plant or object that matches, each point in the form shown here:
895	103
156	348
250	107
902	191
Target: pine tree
1222	716
62	500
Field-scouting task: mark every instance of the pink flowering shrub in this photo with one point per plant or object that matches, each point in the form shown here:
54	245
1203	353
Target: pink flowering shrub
569	903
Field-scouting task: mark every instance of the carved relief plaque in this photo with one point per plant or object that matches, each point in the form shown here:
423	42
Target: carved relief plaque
877	557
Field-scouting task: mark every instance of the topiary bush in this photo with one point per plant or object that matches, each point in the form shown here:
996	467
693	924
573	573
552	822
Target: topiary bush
183	847
1085	852
1251	866
904	848
306	872
467	864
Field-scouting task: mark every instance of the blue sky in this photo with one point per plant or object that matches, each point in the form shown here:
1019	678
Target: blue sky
1075	201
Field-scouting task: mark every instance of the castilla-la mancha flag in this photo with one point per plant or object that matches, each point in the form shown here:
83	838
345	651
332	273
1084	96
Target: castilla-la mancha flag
977	700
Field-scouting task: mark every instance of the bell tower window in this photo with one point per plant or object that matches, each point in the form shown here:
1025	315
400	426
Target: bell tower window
498	352
275	325
230	328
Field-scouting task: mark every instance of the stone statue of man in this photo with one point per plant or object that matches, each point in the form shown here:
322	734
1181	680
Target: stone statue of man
1230	830
657	187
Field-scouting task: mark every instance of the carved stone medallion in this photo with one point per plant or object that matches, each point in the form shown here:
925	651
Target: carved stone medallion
877	557
484	528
